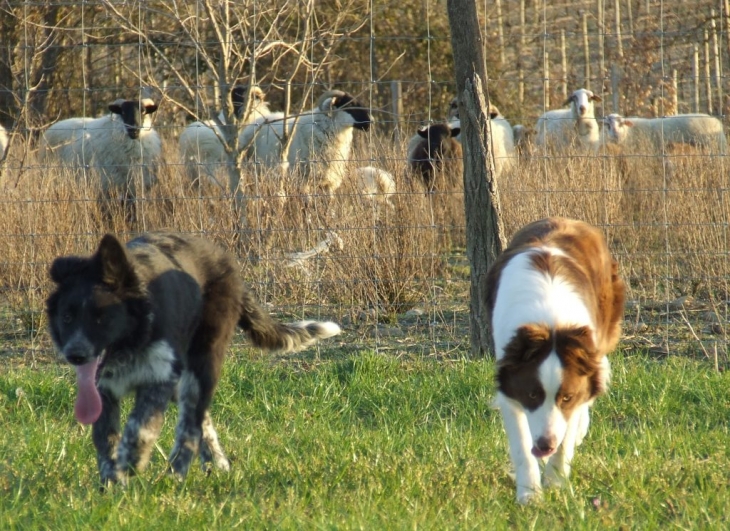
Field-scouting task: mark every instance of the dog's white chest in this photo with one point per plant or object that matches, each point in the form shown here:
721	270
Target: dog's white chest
155	364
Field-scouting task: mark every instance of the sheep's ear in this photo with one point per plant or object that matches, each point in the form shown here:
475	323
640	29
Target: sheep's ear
596	98
328	104
423	131
628	123
493	115
116	107
569	101
455	131
150	107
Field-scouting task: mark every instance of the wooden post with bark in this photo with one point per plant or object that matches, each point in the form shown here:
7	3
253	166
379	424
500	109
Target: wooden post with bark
484	234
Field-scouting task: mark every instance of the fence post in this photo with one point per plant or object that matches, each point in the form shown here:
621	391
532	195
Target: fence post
484	233
396	94
500	32
564	65
708	77
586	53
696	78
617	20
718	64
615	95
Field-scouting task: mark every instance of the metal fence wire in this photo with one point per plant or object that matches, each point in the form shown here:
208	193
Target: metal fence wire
345	227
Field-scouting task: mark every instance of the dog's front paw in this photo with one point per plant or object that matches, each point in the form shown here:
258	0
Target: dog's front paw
110	475
527	495
556	477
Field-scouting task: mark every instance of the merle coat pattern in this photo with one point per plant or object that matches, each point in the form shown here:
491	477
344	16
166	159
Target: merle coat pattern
155	319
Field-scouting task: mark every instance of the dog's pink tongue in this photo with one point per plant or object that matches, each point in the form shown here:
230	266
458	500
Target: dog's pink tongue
88	401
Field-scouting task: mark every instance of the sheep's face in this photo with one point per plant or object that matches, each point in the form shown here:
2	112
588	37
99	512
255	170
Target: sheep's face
454	111
616	127
438	138
238	98
581	102
361	117
135	115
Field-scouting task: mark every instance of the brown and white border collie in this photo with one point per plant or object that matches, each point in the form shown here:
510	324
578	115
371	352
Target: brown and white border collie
555	303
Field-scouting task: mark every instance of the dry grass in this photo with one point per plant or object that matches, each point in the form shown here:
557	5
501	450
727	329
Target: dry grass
669	231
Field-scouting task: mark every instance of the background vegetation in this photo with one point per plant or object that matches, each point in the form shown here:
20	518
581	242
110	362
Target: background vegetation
388	423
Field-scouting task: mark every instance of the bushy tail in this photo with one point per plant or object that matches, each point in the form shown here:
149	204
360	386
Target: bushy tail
267	333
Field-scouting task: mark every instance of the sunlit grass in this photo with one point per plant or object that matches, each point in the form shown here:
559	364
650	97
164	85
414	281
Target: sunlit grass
371	441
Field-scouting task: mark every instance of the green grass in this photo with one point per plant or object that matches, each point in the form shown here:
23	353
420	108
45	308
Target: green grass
376	442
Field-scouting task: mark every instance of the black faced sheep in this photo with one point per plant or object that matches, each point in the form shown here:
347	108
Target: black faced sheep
435	156
201	143
321	141
114	146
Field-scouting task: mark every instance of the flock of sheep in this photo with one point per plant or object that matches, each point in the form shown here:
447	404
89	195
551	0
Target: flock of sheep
314	149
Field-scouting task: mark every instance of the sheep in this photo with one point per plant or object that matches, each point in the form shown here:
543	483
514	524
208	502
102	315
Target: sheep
112	145
576	126
3	142
657	134
376	184
434	151
201	143
502	137
321	141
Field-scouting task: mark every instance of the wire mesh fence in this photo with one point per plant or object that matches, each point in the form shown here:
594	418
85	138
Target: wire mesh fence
355	236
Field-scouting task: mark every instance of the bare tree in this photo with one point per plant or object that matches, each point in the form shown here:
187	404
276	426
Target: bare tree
485	239
226	42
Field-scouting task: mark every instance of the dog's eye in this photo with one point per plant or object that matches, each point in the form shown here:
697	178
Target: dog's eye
67	318
532	396
567	398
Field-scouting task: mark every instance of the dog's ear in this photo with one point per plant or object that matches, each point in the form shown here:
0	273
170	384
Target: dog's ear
117	271
67	266
529	342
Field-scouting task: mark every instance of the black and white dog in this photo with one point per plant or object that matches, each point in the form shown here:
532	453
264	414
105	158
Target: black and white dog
155	319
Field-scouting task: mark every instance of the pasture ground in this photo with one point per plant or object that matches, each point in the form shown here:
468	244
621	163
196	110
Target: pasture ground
338	440
389	425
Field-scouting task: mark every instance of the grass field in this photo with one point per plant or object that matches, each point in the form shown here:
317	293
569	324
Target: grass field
366	441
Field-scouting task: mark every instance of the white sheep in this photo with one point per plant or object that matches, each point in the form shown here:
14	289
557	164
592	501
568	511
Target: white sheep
321	141
201	144
502	137
376	184
3	142
113	146
656	134
575	126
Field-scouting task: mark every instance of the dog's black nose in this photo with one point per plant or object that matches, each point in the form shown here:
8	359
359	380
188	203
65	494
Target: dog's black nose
75	359
546	444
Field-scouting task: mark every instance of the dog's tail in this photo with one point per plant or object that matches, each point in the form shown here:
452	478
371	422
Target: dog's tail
267	333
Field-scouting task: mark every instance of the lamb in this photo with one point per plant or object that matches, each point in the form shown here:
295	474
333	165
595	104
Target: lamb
502	137
321	141
434	152
573	127
113	146
376	184
657	134
201	143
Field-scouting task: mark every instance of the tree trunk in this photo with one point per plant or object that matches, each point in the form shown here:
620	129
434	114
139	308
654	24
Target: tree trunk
484	235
